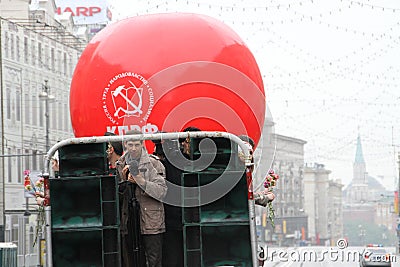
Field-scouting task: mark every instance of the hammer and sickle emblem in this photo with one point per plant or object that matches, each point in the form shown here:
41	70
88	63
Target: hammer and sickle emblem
131	108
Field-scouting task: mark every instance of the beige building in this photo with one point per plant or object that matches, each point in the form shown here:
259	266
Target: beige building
335	211
323	205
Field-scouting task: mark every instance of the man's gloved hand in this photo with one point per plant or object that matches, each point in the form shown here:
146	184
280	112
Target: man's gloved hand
262	198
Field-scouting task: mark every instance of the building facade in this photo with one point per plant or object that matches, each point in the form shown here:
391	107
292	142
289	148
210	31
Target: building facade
367	200
285	155
37	58
335	211
323	205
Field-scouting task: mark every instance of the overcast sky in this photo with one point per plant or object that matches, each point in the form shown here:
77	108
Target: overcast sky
331	71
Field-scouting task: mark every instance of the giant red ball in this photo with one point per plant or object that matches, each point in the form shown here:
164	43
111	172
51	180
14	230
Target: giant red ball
164	72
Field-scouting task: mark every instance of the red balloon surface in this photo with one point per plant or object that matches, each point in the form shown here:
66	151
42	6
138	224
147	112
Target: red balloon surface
165	72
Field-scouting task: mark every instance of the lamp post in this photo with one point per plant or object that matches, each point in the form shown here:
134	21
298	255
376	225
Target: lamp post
46	97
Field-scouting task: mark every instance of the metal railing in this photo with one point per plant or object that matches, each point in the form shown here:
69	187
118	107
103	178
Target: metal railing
158	136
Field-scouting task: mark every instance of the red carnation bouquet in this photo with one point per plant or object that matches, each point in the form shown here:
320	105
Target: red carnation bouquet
36	188
269	183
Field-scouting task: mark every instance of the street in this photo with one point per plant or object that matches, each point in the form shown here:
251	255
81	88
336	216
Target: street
317	256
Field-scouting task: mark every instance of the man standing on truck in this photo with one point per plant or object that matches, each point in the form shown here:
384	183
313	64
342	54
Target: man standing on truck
173	237
145	171
114	152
